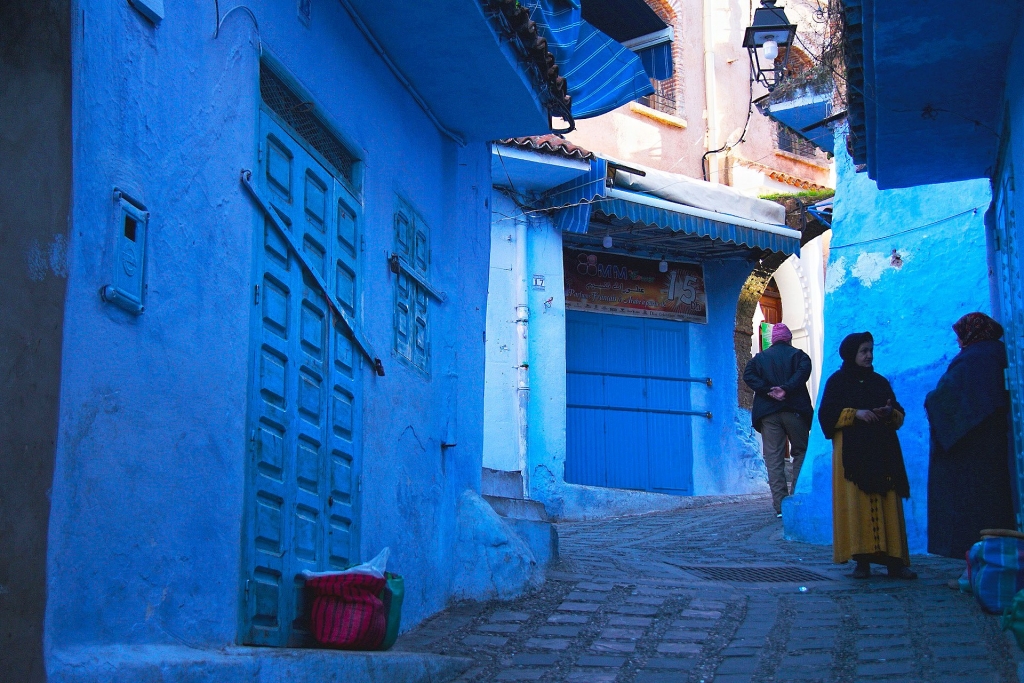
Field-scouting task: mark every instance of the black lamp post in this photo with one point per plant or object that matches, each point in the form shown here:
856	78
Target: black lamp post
769	33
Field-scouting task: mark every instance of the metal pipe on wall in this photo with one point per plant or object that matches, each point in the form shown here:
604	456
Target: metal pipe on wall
710	91
522	352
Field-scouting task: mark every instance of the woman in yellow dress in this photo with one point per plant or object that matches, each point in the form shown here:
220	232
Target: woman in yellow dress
860	414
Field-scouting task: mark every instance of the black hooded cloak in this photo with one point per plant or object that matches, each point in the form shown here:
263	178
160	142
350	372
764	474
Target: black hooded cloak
872	458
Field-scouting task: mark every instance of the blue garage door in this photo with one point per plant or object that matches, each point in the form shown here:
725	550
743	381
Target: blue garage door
303	422
627	410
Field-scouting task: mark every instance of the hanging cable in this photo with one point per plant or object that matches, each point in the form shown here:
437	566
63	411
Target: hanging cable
973	210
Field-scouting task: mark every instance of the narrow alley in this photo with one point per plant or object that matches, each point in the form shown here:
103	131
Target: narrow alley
714	593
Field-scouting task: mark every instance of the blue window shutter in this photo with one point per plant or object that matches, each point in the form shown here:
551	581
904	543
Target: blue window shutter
412	299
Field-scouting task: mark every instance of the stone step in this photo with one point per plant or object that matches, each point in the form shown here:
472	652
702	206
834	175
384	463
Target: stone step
518	508
157	663
501	483
530	521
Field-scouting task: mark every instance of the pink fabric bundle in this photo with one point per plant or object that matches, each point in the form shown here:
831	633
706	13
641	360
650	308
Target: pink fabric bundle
781	333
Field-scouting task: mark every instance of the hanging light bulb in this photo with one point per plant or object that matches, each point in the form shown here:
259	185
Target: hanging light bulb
607	242
663	266
771	50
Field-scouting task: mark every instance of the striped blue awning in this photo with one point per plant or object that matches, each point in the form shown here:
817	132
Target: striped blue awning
575	202
601	73
722	231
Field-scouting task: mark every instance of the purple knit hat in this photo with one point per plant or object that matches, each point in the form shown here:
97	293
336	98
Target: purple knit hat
781	333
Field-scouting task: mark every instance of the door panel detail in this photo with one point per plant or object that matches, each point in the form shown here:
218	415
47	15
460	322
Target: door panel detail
303	358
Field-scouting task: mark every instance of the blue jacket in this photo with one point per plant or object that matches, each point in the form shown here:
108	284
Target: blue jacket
780	365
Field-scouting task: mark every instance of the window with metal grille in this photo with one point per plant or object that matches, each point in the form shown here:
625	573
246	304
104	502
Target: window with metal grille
412	292
792	142
663	98
300	116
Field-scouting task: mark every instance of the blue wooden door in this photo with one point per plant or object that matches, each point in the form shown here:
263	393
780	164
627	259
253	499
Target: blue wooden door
626	421
1008	277
303	422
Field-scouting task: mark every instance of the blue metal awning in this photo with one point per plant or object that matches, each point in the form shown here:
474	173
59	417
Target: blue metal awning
803	110
602	74
691	221
577	201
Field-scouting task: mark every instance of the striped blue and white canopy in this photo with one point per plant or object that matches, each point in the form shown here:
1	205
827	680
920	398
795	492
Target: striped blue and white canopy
602	74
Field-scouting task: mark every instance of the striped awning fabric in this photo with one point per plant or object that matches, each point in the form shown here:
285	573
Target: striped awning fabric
576	201
602	74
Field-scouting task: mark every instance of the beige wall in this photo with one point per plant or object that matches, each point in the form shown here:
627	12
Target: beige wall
709	117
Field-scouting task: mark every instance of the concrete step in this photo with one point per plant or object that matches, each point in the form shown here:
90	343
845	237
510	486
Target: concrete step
530	521
163	663
518	508
501	483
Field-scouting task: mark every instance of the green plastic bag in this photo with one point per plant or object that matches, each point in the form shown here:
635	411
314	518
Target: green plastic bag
1013	618
393	607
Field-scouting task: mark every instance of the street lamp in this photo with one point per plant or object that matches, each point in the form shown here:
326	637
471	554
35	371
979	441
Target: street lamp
769	33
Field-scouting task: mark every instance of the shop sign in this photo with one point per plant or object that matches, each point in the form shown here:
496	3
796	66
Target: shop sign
624	285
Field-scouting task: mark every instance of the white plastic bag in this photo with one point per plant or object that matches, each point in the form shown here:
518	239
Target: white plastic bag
374	567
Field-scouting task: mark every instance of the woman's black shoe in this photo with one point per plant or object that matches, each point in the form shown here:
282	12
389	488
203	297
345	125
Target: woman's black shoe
902	572
862	571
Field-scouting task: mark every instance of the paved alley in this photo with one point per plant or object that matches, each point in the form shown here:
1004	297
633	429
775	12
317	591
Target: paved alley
714	593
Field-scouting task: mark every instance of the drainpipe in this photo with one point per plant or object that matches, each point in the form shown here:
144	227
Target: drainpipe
710	90
522	353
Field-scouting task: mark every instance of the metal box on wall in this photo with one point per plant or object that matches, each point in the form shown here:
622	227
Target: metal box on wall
127	290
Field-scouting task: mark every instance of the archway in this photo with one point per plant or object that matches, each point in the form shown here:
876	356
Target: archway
801	284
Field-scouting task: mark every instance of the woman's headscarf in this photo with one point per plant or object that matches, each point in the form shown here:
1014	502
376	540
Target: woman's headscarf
849	347
872	458
977	327
972	388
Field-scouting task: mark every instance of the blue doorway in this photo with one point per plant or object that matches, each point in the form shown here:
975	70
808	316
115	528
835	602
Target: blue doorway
302	508
628	411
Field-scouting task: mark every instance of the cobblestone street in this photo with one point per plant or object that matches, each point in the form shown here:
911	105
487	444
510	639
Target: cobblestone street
714	593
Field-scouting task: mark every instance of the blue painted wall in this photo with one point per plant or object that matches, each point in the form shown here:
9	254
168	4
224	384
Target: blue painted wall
908	309
147	497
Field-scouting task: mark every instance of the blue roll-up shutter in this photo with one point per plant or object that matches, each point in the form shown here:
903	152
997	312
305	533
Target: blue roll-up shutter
657	61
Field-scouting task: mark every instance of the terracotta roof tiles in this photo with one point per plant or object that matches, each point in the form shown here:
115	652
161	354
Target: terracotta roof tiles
549	144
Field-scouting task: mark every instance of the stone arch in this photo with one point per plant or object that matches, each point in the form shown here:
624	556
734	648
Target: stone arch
793	283
750	294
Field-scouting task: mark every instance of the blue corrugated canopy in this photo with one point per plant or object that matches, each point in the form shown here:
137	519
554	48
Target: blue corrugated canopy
602	74
576	201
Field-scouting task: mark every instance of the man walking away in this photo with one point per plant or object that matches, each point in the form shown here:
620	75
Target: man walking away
782	407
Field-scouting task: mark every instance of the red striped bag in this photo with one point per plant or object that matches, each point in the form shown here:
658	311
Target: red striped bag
347	611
